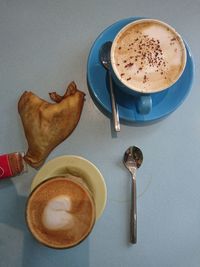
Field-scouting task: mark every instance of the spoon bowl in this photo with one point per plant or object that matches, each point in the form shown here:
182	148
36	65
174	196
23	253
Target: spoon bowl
105	54
133	157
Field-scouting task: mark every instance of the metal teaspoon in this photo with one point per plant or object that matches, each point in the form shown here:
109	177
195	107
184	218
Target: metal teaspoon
105	60
133	158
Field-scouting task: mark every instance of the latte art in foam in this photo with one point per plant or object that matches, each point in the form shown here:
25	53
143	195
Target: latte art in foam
56	214
61	212
148	56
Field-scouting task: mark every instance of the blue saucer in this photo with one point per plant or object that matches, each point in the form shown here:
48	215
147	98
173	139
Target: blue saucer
164	103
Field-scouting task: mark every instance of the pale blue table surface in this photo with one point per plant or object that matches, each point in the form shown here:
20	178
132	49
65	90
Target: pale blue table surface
44	44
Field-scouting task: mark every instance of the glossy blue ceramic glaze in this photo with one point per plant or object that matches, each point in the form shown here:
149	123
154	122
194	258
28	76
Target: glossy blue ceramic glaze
163	103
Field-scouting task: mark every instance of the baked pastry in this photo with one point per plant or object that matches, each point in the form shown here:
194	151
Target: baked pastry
47	124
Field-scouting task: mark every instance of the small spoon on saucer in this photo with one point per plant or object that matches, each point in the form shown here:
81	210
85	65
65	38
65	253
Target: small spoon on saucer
105	60
133	158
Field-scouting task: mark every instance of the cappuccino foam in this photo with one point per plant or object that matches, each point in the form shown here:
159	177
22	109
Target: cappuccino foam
148	56
57	213
61	212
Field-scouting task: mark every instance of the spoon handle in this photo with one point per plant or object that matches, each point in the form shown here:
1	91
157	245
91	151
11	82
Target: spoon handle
115	112
133	226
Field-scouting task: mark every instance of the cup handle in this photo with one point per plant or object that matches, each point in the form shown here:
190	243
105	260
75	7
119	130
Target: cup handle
144	104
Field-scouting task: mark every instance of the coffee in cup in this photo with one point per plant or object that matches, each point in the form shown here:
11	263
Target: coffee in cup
60	211
147	56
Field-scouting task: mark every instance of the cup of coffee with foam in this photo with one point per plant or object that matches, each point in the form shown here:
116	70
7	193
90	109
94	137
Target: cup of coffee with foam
61	210
147	57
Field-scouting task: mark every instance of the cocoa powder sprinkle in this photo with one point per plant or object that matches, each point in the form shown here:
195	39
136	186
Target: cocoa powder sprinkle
144	79
143	51
128	65
147	51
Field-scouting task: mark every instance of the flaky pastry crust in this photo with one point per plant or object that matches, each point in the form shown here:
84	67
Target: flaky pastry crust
46	124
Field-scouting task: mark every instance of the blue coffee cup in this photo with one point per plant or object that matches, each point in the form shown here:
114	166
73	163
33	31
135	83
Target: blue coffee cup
159	48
